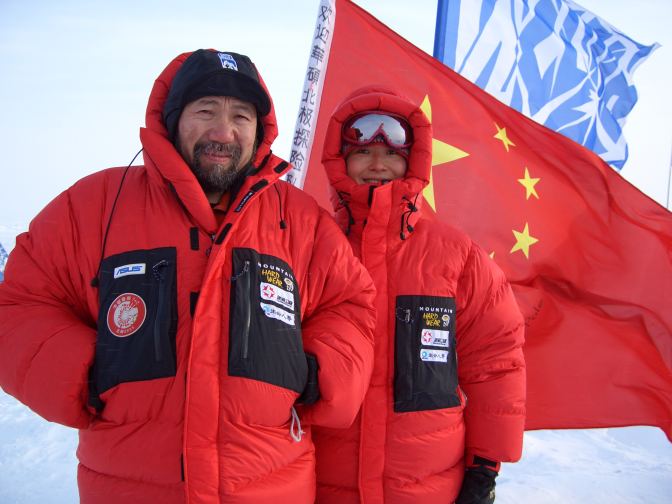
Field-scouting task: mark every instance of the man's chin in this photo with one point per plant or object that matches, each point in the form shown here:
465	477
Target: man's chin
217	167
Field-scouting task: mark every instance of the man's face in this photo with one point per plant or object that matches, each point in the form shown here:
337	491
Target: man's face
216	136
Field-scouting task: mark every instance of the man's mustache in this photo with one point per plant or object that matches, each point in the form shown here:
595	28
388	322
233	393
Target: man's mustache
231	149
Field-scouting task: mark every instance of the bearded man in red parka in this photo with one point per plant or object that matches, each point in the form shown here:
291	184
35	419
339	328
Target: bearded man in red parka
446	404
176	312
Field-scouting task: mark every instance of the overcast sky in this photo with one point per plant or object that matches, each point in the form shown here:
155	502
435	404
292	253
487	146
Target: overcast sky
76	76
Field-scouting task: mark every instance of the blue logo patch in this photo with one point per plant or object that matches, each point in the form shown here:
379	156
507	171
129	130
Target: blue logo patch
227	61
129	269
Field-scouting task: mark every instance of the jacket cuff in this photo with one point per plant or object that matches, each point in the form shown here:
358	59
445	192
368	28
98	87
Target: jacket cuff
474	460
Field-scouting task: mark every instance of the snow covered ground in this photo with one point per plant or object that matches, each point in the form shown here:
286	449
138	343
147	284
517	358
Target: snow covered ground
601	466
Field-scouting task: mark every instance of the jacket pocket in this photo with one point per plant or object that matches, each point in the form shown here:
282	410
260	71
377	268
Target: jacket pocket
265	321
425	371
137	320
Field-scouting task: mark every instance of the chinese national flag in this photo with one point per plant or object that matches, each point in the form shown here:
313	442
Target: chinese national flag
588	255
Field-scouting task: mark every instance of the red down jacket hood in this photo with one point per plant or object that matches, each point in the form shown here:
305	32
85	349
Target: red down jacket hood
159	150
159	94
372	99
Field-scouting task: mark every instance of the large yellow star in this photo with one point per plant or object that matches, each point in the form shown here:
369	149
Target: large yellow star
523	241
441	153
501	135
528	183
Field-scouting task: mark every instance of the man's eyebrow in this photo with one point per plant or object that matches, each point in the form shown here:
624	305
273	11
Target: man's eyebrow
206	101
240	105
248	107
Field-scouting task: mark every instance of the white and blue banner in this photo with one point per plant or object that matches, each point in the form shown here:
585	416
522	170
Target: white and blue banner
3	260
552	60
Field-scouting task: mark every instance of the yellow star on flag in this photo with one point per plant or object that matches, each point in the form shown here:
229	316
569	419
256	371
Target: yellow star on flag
523	241
441	153
501	135
528	183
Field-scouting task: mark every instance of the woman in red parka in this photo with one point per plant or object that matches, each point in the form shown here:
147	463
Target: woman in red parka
446	403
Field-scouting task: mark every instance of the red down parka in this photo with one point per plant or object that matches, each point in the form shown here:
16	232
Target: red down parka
449	377
199	353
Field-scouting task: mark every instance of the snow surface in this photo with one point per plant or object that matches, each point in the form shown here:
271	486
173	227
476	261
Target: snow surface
601	466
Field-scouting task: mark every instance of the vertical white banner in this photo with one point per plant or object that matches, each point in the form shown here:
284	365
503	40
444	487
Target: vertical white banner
304	131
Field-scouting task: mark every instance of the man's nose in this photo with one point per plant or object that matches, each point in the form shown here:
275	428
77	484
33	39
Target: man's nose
222	131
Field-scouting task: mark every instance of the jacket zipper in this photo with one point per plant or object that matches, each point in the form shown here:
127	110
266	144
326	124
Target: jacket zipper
414	358
243	296
158	270
248	310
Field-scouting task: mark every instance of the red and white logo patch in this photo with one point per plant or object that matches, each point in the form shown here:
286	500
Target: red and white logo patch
267	291
126	314
427	337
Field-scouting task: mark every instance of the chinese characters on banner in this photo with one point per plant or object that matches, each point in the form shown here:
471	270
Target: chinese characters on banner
309	107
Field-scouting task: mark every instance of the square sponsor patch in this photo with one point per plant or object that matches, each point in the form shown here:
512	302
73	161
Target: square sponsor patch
274	293
432	355
435	337
278	313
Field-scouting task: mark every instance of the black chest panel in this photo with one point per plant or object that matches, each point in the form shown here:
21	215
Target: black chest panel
137	320
265	322
425	362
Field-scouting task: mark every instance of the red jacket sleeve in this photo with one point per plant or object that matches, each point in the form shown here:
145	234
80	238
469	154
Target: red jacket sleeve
491	367
47	339
338	327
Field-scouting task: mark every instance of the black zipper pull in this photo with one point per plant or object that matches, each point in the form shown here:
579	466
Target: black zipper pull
404	314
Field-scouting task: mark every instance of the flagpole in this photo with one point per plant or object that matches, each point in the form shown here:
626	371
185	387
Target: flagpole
440	30
669	181
309	107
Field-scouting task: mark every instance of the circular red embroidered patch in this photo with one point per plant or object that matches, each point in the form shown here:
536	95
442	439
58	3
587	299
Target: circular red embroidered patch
126	314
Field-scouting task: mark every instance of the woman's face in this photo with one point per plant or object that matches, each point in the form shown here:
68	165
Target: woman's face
375	164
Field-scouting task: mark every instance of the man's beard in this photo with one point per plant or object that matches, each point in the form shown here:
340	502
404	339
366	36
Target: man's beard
217	177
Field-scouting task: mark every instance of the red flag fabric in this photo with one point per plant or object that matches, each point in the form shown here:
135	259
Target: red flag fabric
588	255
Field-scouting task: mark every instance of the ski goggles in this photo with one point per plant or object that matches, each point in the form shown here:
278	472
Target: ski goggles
364	128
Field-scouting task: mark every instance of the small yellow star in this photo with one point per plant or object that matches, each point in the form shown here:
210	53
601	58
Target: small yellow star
523	241
528	183
501	135
492	254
